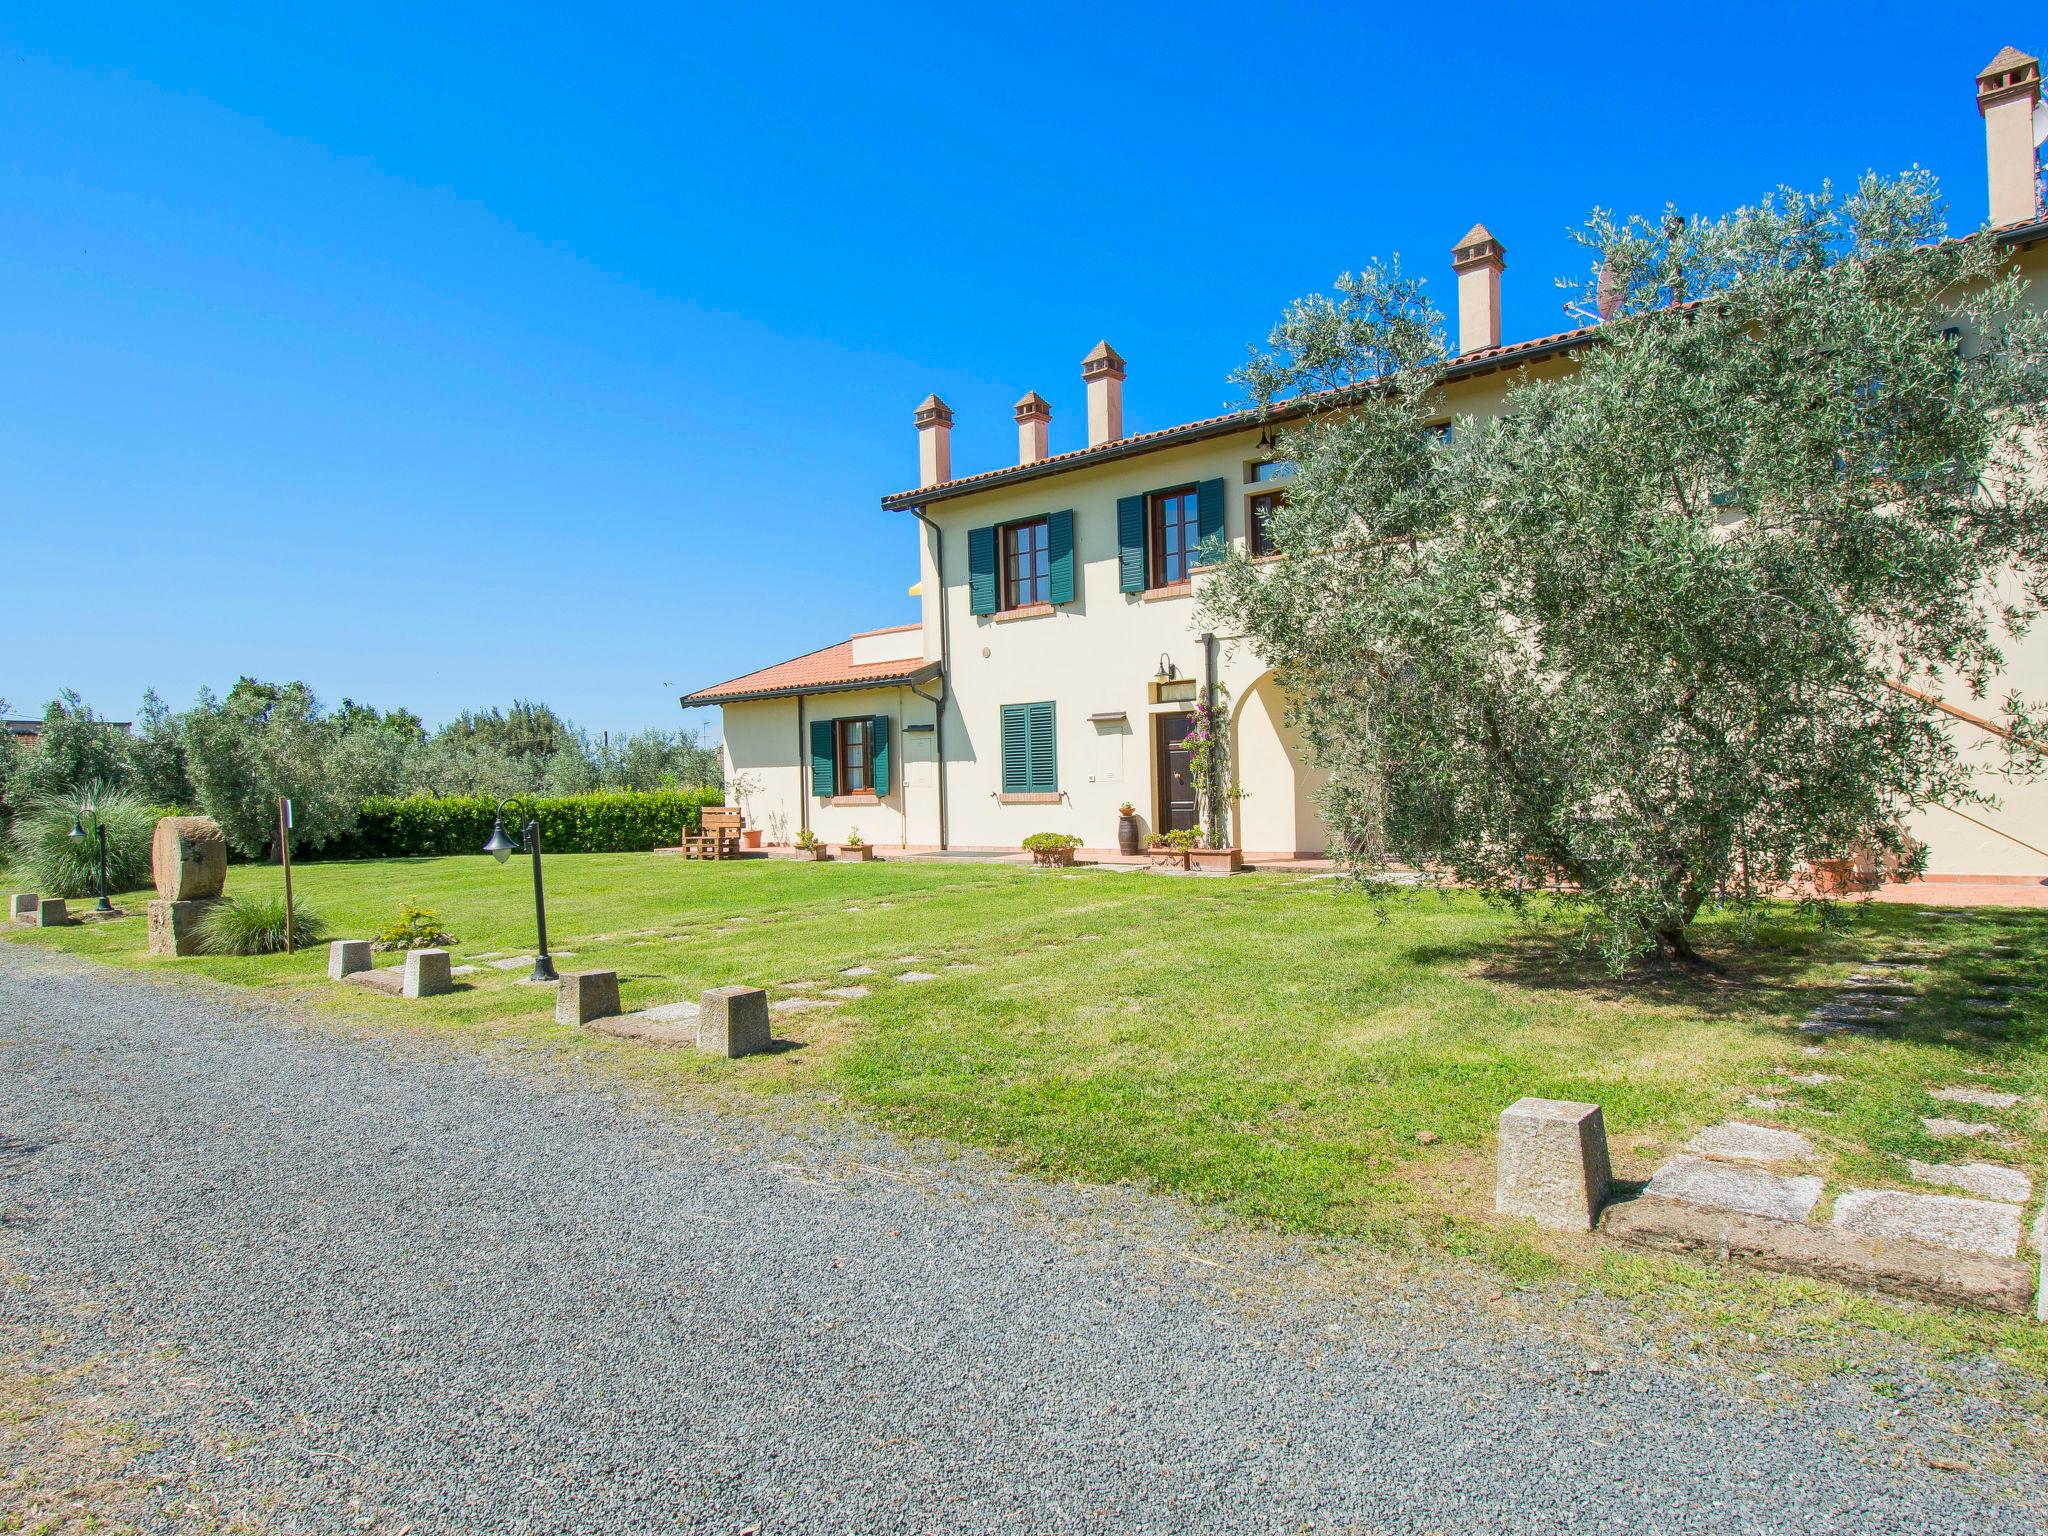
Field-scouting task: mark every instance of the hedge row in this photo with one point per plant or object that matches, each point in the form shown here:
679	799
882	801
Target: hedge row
609	821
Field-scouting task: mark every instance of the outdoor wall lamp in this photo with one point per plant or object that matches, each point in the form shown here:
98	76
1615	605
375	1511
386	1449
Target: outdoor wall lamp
78	835
1268	444
1166	671
501	848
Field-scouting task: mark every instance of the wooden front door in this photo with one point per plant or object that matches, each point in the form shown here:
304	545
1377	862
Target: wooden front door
1171	771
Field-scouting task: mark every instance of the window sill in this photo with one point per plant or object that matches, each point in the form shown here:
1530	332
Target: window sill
1028	611
1031	799
1268	558
853	800
1164	594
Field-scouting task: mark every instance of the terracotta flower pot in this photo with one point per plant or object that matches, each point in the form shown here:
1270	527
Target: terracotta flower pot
817	852
1058	857
1216	861
1169	858
859	853
750	837
1834	877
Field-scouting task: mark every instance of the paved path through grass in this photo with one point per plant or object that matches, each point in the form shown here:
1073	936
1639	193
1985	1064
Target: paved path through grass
473	1296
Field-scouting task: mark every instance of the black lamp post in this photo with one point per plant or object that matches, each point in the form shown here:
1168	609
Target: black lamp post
78	835
501	848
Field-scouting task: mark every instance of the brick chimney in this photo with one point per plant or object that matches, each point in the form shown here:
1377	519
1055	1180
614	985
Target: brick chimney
1103	372
1479	260
934	441
1034	428
2007	89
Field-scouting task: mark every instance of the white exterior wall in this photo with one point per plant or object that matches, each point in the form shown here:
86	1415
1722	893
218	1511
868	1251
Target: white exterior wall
766	741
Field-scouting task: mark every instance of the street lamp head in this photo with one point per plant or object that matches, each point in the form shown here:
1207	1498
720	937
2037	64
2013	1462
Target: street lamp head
78	827
500	847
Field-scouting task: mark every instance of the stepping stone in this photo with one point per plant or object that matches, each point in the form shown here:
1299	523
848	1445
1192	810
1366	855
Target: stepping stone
1941	1221
1772	1106
684	1012
515	963
1741	1143
1951	1130
800	1004
858	970
1723	1187
1991	1180
801	986
904	960
917	976
464	970
962	965
852	991
1813	1079
1983	1098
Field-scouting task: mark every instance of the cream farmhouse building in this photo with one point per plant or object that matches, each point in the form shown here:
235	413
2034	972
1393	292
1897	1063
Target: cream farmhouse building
1052	672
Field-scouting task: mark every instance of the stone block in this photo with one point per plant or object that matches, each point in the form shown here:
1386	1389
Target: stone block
347	956
1552	1166
1991	1180
1986	1227
188	857
733	1021
1742	1143
426	973
174	926
23	907
52	913
1726	1187
586	995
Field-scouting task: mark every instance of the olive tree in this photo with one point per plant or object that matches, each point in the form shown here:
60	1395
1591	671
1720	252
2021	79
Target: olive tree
1641	632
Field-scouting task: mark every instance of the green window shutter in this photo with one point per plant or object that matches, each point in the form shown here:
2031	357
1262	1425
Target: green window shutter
1016	749
1209	520
1045	778
1130	543
1059	549
878	753
981	570
824	759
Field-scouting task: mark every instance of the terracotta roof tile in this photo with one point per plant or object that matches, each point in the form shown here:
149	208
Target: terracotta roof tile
823	671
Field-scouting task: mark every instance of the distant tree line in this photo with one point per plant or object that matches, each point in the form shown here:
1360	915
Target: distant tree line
231	757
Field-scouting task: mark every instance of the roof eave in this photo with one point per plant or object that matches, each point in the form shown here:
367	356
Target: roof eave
928	670
1512	356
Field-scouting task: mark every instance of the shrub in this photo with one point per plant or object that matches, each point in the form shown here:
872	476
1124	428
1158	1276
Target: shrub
233	926
1182	839
853	838
608	821
417	927
58	864
1051	847
807	839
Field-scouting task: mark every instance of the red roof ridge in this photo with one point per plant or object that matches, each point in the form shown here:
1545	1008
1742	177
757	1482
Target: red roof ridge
886	629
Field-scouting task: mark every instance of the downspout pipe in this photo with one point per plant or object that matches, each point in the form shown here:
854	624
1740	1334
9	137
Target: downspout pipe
1209	704
938	704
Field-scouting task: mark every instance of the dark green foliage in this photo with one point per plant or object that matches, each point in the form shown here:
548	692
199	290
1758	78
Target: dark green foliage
609	821
255	926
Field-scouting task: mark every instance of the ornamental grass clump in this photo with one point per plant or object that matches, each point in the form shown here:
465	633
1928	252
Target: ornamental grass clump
48	857
256	926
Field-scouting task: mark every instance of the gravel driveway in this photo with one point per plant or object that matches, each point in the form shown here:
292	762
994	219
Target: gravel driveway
414	1285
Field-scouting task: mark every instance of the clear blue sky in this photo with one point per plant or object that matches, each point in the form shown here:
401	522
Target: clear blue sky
440	355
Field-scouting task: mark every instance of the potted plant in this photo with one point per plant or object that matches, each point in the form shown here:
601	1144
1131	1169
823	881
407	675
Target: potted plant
1053	849
807	846
1215	861
854	848
1127	828
741	792
1170	849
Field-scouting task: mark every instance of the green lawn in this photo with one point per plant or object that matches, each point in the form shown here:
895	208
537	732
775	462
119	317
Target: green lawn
1271	1045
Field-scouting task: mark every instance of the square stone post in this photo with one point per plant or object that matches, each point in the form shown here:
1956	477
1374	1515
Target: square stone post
23	907
586	995
733	1021
347	956
1552	1165
51	913
427	973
